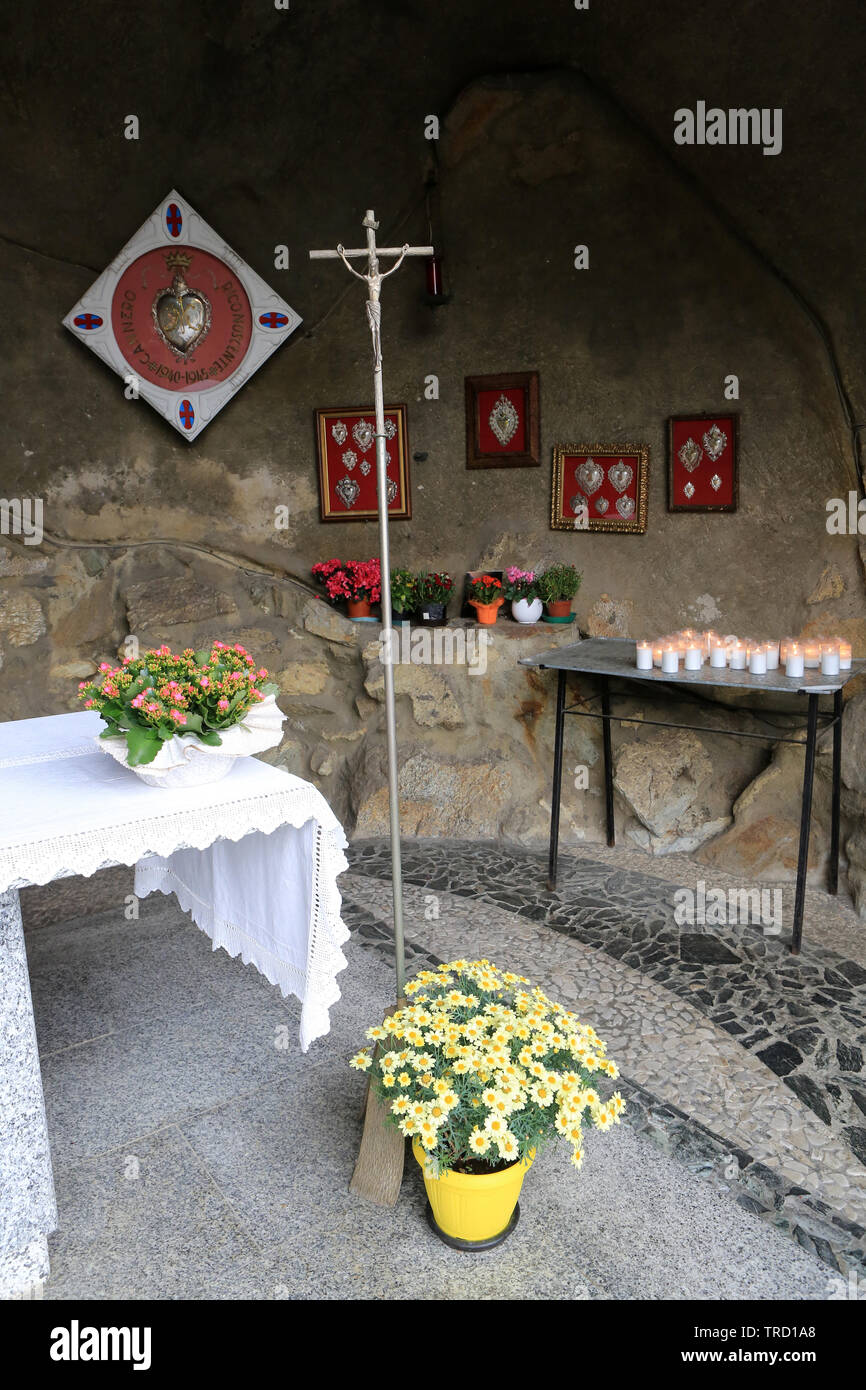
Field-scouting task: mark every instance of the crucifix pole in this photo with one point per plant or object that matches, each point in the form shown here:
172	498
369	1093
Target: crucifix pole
373	279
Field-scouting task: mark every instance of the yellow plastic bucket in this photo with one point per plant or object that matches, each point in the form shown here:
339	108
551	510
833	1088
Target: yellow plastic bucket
474	1209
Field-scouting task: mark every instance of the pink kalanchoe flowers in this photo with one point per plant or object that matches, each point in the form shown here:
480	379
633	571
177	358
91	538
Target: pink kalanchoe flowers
149	698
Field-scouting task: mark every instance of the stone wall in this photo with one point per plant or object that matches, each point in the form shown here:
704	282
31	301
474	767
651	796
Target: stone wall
145	534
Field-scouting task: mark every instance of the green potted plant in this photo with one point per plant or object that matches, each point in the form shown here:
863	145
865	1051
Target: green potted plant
484	594
404	595
557	586
521	589
481	1070
434	591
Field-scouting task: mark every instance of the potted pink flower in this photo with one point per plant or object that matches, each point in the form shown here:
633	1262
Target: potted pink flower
357	581
520	589
183	719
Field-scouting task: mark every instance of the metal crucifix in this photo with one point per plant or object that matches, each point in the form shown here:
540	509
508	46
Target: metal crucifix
373	279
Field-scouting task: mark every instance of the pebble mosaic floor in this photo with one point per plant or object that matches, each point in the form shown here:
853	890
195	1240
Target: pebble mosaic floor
744	1061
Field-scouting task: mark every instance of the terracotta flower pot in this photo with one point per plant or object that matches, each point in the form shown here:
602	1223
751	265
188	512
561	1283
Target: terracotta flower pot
358	607
486	612
559	608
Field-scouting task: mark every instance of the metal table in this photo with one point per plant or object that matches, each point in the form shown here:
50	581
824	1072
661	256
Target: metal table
614	658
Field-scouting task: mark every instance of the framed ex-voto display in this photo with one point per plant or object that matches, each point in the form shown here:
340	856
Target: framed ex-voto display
503	427
702	463
599	487
346	445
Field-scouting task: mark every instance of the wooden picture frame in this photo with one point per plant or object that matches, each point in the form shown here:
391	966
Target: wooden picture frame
346	449
503	426
703	467
600	487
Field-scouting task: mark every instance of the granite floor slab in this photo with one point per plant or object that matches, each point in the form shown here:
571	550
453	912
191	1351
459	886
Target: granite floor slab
196	1159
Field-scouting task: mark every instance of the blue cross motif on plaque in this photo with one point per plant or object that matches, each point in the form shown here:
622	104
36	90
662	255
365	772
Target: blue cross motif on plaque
187	415
173	219
273	320
87	321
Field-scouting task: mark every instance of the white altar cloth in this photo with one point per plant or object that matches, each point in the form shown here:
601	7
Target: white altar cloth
253	858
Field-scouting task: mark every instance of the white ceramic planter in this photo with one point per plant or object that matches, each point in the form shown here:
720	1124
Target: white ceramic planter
184	761
525	610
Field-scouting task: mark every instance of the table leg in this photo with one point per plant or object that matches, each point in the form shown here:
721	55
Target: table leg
805	823
833	877
28	1211
557	781
608	761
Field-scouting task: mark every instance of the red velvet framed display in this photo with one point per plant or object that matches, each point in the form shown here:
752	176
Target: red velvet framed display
702	463
599	487
346	443
502	421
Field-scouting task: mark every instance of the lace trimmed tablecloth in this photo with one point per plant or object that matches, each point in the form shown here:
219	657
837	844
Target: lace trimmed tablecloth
253	858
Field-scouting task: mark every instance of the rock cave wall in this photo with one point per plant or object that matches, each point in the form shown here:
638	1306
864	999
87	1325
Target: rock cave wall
149	536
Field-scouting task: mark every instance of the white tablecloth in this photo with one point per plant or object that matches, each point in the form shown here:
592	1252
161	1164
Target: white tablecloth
254	858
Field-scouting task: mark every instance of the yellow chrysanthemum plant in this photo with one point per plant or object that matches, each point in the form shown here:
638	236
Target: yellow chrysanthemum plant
483	1069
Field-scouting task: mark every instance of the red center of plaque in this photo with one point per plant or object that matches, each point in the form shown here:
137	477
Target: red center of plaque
145	297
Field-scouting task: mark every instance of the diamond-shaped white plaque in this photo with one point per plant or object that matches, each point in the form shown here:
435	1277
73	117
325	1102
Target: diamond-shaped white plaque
182	317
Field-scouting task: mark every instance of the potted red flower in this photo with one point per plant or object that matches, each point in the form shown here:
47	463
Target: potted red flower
357	581
434	591
486	597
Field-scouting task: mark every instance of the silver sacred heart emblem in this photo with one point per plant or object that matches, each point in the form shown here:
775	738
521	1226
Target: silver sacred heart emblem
182	316
365	467
715	482
620	475
350	458
625	507
362	433
392	489
390	429
590	476
714	442
347	490
339	432
503	420
602	505
689	455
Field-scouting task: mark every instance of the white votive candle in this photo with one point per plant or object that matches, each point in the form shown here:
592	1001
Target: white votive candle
844	656
812	654
738	657
719	655
694	658
670	660
829	659
772	652
794	660
758	661
644	656
657	653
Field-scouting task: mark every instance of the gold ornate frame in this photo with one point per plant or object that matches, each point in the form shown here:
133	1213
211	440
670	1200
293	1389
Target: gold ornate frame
635	525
